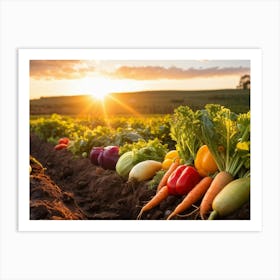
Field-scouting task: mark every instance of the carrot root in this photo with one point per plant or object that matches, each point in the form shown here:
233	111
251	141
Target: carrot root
183	216
193	196
219	182
156	200
189	214
165	177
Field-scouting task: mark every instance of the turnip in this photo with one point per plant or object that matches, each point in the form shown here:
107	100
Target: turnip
144	170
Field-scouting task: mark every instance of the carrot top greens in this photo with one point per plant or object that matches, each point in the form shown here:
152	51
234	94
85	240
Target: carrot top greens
184	129
227	136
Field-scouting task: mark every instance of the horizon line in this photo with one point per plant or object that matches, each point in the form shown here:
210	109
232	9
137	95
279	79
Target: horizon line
138	91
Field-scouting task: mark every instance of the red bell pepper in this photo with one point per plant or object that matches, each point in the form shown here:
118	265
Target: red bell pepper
188	179
182	180
173	178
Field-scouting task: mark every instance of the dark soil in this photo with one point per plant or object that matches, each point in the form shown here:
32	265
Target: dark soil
69	188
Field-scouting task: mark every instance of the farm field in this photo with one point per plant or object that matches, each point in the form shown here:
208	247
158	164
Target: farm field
67	182
144	102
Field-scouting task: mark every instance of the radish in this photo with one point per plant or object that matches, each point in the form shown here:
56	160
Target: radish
60	147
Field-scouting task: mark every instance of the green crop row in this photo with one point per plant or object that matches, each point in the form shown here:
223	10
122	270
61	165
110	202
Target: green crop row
86	133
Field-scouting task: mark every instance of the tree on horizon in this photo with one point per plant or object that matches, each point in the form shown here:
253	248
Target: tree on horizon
244	82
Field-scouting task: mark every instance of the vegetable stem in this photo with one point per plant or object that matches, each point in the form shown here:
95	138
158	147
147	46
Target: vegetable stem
213	215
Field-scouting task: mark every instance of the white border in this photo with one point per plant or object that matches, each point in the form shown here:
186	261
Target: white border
254	55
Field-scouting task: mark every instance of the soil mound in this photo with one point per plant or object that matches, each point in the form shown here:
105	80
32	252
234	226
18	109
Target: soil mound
47	200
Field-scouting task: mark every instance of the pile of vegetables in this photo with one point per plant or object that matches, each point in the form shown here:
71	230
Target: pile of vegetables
214	145
140	160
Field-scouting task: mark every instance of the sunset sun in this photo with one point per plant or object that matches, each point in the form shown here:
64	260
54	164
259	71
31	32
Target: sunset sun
99	88
99	94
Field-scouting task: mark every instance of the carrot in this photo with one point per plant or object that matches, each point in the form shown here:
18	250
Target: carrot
193	196
165	177
219	182
156	200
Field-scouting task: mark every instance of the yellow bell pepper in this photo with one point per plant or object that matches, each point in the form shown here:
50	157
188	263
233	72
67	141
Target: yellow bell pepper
204	162
173	154
166	163
169	158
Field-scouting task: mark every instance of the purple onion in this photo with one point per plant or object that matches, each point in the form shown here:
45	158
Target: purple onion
94	153
109	157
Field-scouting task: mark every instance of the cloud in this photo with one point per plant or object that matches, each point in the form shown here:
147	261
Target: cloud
59	69
157	72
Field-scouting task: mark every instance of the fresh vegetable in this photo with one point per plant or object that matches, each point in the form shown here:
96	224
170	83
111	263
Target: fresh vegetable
182	180
139	151
187	181
231	198
193	196
161	195
219	182
30	169
64	140
167	163
184	129
125	163
169	158
164	179
109	157
222	131
144	170
222	128
94	154
60	147
173	154
173	178
204	162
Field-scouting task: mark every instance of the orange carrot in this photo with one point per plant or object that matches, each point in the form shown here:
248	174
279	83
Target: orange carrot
219	182
193	196
165	177
156	200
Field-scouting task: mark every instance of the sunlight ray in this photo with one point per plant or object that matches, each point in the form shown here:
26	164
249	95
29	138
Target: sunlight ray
125	106
105	114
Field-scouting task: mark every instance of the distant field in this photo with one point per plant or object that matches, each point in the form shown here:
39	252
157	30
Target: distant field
145	102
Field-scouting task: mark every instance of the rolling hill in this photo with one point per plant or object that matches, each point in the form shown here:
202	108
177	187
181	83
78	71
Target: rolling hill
143	102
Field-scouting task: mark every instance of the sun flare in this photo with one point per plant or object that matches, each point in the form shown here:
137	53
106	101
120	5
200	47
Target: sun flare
99	95
99	88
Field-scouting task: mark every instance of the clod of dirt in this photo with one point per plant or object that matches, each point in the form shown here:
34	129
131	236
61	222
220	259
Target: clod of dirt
47	200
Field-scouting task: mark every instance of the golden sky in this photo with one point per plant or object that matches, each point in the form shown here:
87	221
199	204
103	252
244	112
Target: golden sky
98	78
